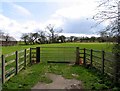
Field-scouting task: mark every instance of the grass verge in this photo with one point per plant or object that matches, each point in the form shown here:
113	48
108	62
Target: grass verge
32	75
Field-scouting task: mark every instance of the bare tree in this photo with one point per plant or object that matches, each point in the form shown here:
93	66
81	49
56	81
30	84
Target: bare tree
54	33
72	38
34	37
7	37
109	10
1	35
106	10
25	37
42	37
51	30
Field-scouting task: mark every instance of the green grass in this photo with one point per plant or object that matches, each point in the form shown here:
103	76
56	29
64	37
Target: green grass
97	46
32	75
58	54
27	78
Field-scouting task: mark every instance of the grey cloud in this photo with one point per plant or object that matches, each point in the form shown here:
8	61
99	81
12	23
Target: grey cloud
82	26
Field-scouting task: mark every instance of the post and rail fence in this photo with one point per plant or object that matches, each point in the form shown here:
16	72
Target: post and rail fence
13	63
101	60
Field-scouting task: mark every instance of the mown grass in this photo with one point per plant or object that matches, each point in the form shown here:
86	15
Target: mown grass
97	46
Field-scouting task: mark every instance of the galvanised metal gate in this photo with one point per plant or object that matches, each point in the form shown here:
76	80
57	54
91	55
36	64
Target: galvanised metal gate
58	54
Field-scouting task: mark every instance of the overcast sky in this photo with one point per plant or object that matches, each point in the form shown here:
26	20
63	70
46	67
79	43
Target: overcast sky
73	16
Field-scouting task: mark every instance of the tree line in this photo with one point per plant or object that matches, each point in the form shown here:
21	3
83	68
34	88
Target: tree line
52	36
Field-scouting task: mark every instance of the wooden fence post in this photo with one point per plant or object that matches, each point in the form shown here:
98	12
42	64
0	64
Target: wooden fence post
30	56
84	57
103	61
37	54
25	58
91	57
3	69
77	56
117	69
16	61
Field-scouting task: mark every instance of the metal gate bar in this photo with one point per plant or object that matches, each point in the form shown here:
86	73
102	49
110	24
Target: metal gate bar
58	54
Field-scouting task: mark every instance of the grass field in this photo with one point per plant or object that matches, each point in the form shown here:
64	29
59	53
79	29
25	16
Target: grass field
33	74
97	46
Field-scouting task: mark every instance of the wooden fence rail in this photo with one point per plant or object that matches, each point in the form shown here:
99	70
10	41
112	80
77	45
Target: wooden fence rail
101	60
15	64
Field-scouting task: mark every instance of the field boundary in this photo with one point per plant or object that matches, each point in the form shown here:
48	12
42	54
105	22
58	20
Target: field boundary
99	59
102	61
13	63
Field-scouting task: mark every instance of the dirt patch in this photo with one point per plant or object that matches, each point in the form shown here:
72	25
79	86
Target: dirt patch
59	83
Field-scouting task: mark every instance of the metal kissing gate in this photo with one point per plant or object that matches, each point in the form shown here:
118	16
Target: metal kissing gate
54	54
